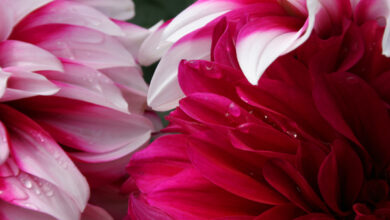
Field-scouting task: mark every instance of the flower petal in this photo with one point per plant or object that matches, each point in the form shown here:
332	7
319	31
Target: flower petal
7	22
67	12
281	212
21	8
92	212
378	10
85	126
11	212
4	144
261	42
230	174
86	84
24	84
164	92
191	19
37	154
340	180
27	57
87	46
118	9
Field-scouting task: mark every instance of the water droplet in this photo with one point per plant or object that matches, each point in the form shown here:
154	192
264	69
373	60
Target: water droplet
37	191
234	110
30	206
212	72
27	184
49	193
209	66
298	189
292	134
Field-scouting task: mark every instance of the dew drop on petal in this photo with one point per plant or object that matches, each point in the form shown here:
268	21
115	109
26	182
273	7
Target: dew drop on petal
292	134
234	110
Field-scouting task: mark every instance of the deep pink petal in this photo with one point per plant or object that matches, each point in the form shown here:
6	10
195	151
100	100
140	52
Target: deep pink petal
340	179
140	210
230	174
282	176
214	110
282	212
178	198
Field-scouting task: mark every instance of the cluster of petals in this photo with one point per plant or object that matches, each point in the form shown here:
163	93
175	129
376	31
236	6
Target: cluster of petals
72	107
310	140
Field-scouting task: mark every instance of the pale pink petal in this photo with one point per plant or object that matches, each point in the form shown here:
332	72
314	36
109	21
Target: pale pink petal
4	76
92	212
85	126
87	46
12	212
21	8
4	144
135	143
101	173
37	154
34	194
134	36
260	42
23	84
132	85
86	84
66	12
191	19
118	9
6	20
27	57
164	92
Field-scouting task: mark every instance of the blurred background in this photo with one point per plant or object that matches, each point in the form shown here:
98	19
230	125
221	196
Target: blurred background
149	12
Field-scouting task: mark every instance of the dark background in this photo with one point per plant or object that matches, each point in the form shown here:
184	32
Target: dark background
149	12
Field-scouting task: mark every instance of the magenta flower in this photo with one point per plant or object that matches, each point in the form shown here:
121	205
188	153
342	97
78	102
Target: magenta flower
310	141
71	93
266	29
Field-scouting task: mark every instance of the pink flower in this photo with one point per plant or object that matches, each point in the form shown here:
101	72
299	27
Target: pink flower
71	94
266	29
310	141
